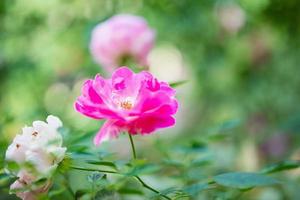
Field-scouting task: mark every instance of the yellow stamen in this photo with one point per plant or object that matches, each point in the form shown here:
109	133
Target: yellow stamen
127	105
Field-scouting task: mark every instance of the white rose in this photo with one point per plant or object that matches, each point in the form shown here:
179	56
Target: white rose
39	145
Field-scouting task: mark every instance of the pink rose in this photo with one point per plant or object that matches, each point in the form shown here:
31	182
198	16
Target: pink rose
121	37
133	103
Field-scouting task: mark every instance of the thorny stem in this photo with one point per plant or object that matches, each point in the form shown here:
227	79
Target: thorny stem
138	178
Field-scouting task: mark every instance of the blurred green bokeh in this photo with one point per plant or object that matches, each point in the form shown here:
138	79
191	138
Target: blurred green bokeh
240	57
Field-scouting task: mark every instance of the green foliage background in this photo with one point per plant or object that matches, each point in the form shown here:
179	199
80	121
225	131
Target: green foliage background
241	111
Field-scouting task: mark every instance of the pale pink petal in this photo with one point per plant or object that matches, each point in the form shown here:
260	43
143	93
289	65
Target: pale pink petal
108	131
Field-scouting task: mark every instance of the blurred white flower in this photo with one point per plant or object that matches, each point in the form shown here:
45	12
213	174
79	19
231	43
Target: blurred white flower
37	153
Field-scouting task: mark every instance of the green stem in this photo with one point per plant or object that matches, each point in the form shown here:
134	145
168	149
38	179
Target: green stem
132	146
93	170
68	186
117	173
138	178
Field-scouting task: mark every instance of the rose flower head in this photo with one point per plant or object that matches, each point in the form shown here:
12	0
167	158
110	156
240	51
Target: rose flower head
35	155
136	103
120	38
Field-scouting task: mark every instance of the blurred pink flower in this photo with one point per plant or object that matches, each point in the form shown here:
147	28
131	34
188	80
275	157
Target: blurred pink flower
133	103
121	37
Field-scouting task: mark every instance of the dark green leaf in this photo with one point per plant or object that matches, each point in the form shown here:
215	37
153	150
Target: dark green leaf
105	163
4	178
130	191
281	166
80	193
244	180
39	183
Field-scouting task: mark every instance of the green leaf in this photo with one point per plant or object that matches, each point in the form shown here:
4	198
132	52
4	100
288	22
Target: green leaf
80	193
95	177
81	137
193	147
53	193
12	166
225	126
40	183
173	192
194	189
174	163
244	180
143	169
177	83
65	164
4	179
130	191
230	124
78	149
105	163
198	162
106	194
281	166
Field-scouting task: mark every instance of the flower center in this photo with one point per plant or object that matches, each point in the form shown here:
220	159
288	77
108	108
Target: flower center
127	105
